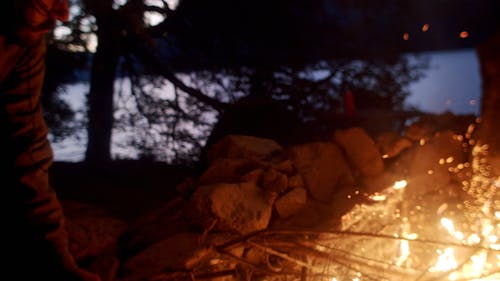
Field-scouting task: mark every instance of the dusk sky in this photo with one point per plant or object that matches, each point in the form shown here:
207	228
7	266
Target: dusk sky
452	83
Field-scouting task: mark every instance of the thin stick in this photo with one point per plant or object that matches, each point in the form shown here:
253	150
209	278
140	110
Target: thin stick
279	254
375	235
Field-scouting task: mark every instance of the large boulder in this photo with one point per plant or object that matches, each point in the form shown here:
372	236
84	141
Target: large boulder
244	147
242	207
291	202
228	170
391	144
322	167
312	214
360	150
272	180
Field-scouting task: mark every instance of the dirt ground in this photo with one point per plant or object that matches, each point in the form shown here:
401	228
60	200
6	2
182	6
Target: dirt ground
127	189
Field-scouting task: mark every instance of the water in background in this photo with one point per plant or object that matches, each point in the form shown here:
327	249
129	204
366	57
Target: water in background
452	83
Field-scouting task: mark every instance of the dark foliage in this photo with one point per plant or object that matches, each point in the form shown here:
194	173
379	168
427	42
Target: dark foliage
273	67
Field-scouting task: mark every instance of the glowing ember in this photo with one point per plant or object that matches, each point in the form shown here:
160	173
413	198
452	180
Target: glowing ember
441	209
378	197
470	128
446	261
448	224
425	27
400	184
464	34
404	248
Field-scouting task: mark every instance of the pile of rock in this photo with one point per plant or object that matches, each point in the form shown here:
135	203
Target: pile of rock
254	184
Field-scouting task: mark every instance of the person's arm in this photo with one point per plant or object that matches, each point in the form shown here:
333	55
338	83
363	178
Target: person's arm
36	211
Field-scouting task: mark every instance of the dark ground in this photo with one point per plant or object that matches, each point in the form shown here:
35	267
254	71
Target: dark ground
127	189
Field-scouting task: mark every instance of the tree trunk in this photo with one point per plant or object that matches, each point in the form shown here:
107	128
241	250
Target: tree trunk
489	58
100	98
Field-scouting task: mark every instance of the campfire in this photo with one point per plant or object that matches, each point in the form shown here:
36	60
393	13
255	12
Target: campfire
386	242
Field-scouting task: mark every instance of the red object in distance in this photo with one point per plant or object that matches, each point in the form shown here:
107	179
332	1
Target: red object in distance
349	105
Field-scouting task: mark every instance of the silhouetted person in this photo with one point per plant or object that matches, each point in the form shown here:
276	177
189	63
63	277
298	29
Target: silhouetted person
35	241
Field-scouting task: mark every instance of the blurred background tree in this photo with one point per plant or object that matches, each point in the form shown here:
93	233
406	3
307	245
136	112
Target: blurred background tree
194	71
